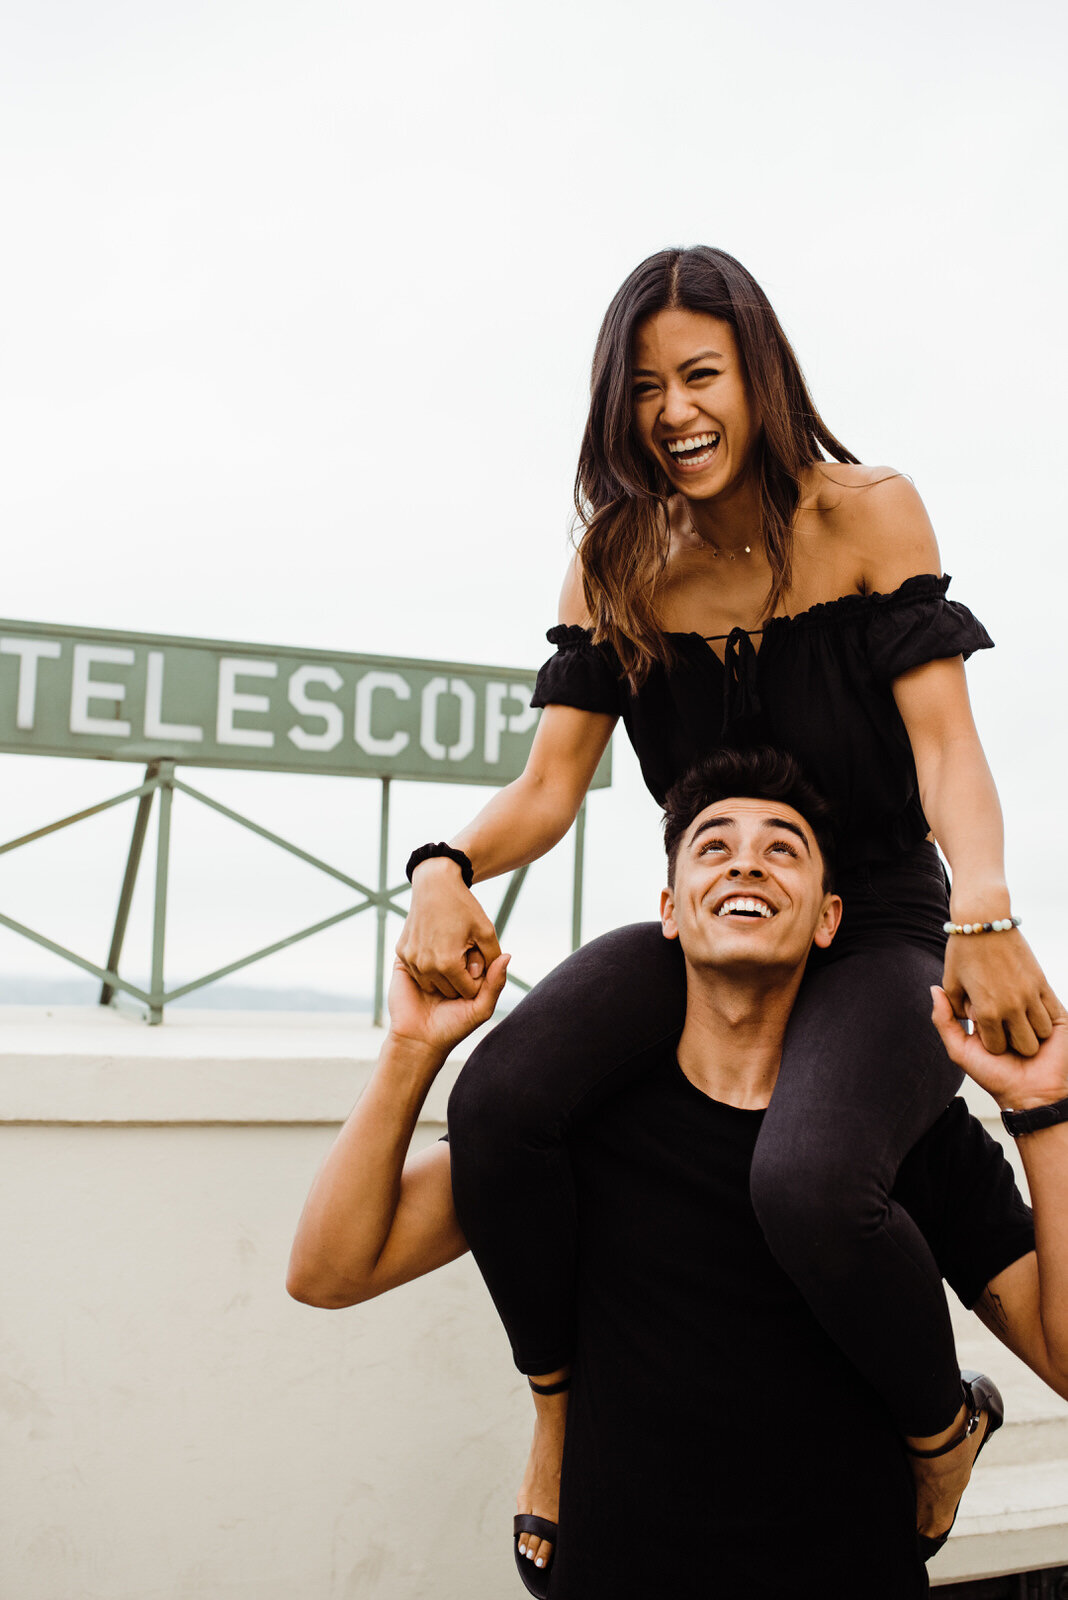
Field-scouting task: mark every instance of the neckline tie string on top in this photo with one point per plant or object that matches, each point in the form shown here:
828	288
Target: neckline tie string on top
741	696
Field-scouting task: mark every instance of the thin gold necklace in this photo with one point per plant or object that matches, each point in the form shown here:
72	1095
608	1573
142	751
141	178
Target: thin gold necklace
731	555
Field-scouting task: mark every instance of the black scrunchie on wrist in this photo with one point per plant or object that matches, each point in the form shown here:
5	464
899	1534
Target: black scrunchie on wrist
426	852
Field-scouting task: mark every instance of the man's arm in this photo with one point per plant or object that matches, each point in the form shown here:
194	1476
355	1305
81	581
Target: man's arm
1026	1305
377	1217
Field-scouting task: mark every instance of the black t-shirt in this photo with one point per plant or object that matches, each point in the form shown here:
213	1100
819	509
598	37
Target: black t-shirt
719	1445
816	684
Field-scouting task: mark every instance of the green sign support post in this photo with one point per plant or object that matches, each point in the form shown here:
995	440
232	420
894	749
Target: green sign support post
170	702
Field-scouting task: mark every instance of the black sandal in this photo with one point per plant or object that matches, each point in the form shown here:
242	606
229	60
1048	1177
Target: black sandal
981	1394
536	1579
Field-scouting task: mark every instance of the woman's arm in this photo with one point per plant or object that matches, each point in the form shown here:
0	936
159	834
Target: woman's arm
1027	1304
526	818
448	941
993	978
377	1217
522	822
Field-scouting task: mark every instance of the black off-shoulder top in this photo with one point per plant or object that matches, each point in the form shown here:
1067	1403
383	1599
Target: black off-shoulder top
816	684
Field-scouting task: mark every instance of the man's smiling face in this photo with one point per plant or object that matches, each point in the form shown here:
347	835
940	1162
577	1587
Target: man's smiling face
748	891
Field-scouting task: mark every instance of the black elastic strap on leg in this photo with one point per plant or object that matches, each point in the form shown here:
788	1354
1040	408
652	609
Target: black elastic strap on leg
550	1388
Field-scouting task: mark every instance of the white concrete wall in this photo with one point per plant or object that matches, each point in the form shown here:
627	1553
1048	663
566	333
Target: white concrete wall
176	1428
175	1425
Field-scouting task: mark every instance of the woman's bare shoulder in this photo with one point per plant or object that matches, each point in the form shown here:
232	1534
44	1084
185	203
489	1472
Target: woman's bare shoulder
828	485
572	609
878	515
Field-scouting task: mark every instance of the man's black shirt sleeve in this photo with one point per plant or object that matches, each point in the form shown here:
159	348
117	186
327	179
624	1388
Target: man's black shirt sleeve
960	1190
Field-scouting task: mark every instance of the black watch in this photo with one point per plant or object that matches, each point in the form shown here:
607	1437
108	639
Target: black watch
1017	1122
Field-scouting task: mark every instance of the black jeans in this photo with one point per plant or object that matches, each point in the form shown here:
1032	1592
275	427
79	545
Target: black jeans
863	1076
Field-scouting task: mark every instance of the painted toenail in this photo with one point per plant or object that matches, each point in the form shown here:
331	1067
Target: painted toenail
522	1549
539	1562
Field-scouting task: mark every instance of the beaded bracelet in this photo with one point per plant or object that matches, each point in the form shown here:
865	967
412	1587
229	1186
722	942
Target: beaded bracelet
1000	925
427	851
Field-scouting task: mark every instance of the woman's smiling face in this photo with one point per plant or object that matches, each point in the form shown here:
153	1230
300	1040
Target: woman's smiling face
691	402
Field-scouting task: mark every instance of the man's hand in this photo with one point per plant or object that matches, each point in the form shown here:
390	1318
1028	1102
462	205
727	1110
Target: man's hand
434	1024
1017	1082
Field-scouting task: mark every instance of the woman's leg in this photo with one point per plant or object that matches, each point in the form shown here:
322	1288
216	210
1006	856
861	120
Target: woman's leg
863	1076
584	1030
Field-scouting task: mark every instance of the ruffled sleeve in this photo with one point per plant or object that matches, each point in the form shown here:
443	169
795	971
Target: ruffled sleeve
916	624
580	674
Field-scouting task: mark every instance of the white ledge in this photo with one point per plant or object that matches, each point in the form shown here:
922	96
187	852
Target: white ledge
1012	1519
86	1064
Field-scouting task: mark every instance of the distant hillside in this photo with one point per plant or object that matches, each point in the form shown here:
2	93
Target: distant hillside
26	991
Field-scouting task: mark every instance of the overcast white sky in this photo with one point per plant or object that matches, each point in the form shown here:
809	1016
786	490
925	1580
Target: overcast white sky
298	305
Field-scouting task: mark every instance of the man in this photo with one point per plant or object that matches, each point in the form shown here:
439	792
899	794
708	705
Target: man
718	1444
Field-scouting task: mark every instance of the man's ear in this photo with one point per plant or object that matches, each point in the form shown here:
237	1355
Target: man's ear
830	917
667	914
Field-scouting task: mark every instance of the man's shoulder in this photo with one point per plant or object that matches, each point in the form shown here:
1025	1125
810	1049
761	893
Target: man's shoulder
959	1189
958	1125
955	1125
955	1141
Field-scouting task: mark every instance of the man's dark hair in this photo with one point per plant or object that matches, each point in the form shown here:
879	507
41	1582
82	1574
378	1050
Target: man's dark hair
758	774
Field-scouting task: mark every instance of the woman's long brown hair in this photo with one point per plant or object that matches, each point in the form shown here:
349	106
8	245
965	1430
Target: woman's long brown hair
621	494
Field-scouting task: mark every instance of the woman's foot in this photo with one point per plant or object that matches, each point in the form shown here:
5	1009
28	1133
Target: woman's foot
941	1482
942	1463
539	1493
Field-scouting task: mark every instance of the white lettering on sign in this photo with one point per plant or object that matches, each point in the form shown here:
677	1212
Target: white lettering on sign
498	722
80	693
428	721
29	651
85	688
231	701
365	692
324	710
155	727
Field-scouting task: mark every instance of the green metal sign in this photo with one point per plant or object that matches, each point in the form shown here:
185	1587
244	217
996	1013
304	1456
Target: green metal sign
68	691
209	703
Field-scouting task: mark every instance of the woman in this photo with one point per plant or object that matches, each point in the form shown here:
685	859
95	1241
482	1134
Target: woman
732	586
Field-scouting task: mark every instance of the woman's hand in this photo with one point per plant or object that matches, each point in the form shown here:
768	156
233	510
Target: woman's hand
994	979
447	943
990	977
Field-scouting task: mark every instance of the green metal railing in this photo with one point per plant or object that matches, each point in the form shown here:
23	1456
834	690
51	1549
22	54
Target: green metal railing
161	778
171	702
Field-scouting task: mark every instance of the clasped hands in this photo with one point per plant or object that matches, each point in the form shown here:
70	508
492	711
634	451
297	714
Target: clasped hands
1017	1082
431	1024
994	980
